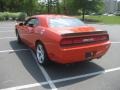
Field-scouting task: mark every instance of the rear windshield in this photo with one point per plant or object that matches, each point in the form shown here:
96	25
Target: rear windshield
65	22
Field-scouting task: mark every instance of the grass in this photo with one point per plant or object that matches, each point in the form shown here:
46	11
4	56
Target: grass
104	19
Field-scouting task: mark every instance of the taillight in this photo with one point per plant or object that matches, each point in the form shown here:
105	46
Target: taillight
102	38
66	42
83	40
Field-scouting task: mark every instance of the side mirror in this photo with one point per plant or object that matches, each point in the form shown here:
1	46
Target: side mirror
31	25
21	24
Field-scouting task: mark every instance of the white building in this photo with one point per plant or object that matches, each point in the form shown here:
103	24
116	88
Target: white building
112	6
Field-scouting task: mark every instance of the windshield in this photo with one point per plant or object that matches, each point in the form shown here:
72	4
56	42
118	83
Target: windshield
65	22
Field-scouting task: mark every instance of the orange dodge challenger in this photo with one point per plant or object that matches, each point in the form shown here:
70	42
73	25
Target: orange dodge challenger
62	39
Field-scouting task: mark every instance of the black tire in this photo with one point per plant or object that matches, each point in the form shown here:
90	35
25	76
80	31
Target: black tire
18	37
41	54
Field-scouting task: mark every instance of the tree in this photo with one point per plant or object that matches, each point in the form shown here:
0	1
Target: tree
2	5
70	7
53	6
85	6
89	6
28	6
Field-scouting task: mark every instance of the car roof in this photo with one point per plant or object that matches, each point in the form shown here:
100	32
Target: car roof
50	16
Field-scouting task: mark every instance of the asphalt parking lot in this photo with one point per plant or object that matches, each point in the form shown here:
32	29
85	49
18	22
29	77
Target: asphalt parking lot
18	68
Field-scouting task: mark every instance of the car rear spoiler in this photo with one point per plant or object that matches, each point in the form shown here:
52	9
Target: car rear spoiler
84	34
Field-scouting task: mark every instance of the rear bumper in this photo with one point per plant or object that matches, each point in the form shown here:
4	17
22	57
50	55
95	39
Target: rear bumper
78	54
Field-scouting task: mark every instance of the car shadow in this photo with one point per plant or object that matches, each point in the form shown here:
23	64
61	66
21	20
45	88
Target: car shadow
57	71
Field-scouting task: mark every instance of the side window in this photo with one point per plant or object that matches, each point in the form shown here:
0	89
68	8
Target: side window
33	21
26	21
36	22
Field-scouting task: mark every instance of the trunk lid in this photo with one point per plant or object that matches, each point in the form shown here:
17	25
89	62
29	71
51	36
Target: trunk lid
68	30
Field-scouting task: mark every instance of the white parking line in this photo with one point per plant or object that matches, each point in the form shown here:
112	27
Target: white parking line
7	38
4	51
26	86
49	81
63	80
7	31
6	27
115	42
87	75
53	87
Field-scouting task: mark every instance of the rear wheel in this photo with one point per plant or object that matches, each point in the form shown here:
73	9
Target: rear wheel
41	54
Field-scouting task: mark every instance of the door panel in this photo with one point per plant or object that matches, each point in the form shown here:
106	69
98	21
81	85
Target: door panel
29	33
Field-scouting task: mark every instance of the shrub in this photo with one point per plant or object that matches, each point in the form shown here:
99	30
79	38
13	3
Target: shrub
1	17
12	16
21	16
117	13
6	15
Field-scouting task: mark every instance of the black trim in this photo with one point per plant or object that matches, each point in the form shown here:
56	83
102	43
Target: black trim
84	33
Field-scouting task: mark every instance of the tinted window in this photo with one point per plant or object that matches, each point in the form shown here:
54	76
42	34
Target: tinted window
65	22
33	21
